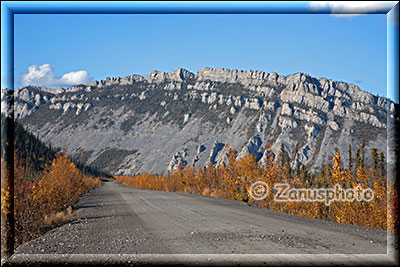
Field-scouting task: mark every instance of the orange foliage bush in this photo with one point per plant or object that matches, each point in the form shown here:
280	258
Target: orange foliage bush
37	200
233	180
61	185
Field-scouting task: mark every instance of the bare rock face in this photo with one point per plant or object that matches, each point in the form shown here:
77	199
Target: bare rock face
162	121
178	160
216	148
232	76
6	101
253	147
178	75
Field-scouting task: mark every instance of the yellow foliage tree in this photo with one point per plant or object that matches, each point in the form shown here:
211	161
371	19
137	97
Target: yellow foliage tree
233	179
62	185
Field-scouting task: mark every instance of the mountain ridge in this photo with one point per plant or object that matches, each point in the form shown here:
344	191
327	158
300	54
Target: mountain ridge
178	75
214	108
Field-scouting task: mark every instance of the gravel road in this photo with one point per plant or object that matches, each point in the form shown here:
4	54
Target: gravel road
114	219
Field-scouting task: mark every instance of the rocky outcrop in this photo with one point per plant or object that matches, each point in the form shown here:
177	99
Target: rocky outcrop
216	148
7	102
253	147
200	150
178	161
178	75
235	76
179	118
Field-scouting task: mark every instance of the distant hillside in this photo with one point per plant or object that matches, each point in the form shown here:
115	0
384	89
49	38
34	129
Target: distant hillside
157	122
35	155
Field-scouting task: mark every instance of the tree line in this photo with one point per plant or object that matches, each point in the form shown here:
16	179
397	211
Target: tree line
233	180
47	182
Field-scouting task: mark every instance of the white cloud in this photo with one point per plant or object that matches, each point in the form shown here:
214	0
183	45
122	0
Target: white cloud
44	75
350	9
75	77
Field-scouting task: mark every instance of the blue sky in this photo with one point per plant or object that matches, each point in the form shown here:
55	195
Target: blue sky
350	49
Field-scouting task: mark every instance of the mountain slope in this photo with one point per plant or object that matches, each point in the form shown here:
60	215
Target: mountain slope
155	123
36	155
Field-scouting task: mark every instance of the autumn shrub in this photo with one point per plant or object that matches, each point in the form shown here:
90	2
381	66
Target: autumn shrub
233	179
42	202
27	215
61	185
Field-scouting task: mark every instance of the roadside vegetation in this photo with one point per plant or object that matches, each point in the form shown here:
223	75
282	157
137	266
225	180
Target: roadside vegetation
233	181
46	201
47	183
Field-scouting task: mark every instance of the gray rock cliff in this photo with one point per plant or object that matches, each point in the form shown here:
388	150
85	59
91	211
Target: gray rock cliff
157	122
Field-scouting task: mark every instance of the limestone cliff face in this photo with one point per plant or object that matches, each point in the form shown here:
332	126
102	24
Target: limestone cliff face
157	122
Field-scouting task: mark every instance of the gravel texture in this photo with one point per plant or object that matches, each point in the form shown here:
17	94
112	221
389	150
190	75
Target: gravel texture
114	219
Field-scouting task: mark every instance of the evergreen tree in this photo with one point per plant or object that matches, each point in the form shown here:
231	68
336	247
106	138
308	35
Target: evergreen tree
358	158
363	154
298	170
304	173
282	155
312	177
382	163
288	169
34	155
374	159
350	160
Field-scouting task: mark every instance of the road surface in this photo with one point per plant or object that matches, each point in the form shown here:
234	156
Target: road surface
114	219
